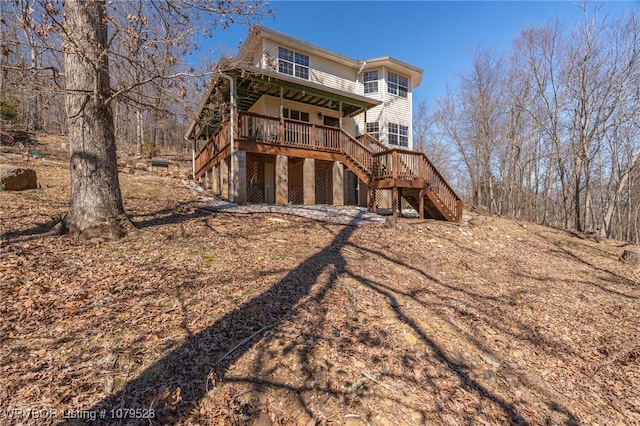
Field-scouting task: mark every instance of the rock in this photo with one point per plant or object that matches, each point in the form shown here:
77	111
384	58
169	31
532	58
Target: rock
490	359
262	419
631	256
17	178
475	221
410	338
141	166
390	222
488	375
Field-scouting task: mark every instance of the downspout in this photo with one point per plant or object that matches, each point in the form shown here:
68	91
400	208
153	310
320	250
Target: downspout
232	110
193	148
193	153
364	64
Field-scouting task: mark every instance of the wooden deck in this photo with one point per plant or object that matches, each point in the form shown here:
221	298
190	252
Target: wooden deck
408	173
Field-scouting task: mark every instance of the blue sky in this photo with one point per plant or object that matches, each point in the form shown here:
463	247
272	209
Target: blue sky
436	36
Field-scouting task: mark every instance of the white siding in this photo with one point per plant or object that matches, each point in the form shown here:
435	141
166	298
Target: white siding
394	109
321	70
270	105
259	107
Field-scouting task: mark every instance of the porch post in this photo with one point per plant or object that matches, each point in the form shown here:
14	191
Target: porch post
364	130
281	115
340	109
282	179
239	167
281	101
338	184
309	181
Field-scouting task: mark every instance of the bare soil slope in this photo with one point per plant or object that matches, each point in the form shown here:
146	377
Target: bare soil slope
218	318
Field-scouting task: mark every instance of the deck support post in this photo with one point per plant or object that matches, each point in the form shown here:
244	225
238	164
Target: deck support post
282	179
363	194
372	197
210	178
309	181
394	201
338	184
421	203
224	178
239	168
215	184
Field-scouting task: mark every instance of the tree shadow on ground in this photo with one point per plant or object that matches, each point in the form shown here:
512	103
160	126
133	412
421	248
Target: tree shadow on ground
175	384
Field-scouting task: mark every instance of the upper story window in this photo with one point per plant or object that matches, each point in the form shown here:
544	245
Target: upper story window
398	135
397	84
370	79
374	129
293	63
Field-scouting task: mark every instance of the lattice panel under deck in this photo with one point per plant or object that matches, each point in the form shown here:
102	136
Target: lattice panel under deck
296	195
324	186
255	181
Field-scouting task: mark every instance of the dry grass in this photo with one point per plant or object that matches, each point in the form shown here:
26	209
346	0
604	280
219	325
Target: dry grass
502	322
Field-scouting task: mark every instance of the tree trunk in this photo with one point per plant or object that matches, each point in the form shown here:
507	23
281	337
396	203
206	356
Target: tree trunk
95	209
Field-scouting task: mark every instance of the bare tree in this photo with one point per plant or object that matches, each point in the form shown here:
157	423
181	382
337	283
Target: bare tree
92	34
551	134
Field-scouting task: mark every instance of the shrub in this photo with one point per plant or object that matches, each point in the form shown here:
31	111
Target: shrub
8	110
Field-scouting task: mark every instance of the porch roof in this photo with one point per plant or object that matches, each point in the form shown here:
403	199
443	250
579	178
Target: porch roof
254	82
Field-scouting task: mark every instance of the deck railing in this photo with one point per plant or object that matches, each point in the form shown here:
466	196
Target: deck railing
375	161
357	153
372	143
217	143
286	132
412	165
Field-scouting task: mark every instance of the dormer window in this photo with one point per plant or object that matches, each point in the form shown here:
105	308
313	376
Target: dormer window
293	63
397	84
370	80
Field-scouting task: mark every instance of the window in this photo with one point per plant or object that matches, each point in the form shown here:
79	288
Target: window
374	129
397	84
370	82
293	63
295	115
398	135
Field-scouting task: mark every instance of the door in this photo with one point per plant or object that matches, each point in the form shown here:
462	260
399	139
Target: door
331	121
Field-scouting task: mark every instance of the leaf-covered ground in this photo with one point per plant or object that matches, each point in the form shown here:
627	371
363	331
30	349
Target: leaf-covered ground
227	318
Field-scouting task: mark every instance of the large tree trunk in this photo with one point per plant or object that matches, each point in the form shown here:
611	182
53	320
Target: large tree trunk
95	209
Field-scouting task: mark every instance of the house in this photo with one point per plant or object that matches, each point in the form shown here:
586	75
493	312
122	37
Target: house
286	121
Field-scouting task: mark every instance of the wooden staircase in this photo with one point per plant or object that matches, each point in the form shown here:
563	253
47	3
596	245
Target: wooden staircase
410	173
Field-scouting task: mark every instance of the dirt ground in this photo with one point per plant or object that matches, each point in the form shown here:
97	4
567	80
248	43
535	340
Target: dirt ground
202	318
